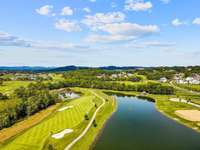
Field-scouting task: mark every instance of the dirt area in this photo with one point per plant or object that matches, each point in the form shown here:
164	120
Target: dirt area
191	115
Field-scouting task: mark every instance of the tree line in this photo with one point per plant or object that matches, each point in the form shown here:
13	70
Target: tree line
150	87
31	100
101	75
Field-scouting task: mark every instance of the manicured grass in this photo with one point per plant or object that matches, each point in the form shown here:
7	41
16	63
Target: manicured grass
7	76
57	77
168	108
34	138
86	142
143	82
21	126
90	136
190	87
9	86
196	101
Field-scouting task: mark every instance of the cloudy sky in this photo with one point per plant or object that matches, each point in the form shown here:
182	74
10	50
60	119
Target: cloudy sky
99	32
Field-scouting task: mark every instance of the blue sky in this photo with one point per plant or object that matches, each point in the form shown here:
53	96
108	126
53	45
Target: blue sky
99	32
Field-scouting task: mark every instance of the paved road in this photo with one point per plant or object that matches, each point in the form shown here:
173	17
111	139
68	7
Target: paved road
89	124
184	101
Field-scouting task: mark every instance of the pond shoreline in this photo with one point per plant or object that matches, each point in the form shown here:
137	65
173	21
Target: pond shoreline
151	97
131	117
102	129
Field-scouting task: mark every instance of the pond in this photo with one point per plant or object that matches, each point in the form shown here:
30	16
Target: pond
137	125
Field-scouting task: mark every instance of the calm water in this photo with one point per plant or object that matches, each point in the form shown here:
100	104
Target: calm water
137	125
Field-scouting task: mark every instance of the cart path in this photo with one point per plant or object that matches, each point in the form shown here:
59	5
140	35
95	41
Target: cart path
89	124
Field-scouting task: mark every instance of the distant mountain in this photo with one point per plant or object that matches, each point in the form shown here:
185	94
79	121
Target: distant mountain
70	68
65	68
24	68
120	68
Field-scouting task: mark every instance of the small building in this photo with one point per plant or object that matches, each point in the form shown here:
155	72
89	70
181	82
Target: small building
163	80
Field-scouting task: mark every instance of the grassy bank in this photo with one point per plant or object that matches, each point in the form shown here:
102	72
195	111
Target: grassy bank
192	87
9	86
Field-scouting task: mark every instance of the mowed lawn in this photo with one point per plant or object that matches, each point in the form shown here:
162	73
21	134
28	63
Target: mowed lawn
192	87
9	86
34	138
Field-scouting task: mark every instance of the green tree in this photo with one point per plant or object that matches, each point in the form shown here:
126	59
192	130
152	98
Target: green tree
51	147
94	123
86	117
3	97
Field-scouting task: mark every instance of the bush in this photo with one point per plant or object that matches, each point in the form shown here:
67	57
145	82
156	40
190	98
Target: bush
3	97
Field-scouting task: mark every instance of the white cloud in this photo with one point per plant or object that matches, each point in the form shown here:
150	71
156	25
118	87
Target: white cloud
44	10
87	10
122	32
165	1
68	26
138	5
54	14
129	29
196	21
176	22
10	40
103	18
67	11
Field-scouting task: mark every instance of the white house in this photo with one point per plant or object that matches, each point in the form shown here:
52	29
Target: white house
163	80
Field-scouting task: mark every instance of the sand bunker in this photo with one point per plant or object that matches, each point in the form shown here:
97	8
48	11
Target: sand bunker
64	108
61	134
191	115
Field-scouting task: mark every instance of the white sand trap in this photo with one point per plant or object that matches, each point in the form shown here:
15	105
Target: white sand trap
191	115
61	134
175	99
64	108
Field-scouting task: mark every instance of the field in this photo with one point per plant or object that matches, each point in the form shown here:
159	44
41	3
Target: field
192	87
136	83
34	138
9	86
